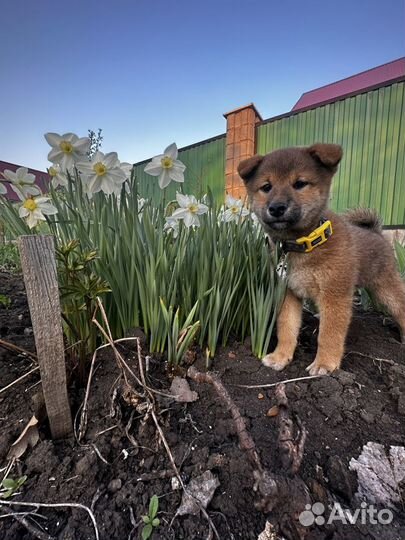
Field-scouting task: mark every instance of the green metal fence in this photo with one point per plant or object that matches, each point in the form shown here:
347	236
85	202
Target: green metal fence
205	168
371	129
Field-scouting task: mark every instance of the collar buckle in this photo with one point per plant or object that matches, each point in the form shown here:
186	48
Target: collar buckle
317	237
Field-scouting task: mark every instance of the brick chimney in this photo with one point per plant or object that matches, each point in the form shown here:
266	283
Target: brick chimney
240	144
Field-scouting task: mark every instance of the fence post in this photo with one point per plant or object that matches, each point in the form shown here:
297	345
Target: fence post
39	269
240	144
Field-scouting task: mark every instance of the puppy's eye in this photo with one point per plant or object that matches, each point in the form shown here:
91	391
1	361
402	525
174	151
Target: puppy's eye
299	184
266	188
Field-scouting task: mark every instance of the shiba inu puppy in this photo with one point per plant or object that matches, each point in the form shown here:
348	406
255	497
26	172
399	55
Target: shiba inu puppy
328	255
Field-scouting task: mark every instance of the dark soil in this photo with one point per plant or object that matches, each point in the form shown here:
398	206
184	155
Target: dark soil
361	403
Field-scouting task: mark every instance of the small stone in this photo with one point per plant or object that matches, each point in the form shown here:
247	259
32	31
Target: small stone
231	355
28	331
273	411
175	483
114	485
260	396
85	463
367	417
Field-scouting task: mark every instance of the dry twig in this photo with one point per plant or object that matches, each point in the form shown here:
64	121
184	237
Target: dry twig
19	379
19	350
21	518
56	505
298	379
283	493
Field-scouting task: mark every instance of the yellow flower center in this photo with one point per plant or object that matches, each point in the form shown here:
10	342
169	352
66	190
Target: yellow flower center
167	162
235	209
66	147
52	171
193	208
99	168
30	205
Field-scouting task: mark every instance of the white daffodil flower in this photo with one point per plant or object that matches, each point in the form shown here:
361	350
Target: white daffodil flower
189	210
102	173
35	209
167	167
59	178
172	226
67	149
235	210
3	189
22	182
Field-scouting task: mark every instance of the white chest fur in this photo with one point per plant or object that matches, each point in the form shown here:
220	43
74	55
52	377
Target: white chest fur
302	281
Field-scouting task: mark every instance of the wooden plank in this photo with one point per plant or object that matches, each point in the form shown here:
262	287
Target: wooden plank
39	269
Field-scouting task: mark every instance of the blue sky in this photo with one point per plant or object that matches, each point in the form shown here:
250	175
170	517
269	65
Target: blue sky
150	72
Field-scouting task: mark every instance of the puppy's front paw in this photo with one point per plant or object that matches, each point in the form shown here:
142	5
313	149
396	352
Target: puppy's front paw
319	368
276	360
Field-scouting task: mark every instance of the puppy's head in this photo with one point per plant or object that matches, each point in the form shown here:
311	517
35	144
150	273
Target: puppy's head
289	188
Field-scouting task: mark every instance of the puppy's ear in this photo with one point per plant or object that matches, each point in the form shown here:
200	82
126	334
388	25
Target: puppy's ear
327	155
247	167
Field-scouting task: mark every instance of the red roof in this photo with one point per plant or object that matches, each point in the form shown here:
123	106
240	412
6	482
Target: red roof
42	178
354	84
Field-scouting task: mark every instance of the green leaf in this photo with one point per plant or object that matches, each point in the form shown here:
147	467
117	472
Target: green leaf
147	531
9	483
153	506
146	519
156	522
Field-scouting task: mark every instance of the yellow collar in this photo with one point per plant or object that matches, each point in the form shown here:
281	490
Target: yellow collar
306	244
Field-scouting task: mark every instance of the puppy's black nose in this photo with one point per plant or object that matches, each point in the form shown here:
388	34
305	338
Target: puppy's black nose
277	209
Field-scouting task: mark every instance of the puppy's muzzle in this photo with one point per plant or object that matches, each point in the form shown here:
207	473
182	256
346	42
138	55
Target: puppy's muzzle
277	209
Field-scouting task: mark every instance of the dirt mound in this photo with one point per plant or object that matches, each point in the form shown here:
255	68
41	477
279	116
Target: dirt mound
121	462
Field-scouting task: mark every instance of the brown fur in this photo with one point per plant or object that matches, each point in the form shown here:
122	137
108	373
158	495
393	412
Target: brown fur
356	255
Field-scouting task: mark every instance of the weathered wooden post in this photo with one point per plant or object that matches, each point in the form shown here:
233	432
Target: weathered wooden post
39	269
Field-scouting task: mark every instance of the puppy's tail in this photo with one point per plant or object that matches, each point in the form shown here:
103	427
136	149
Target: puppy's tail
365	218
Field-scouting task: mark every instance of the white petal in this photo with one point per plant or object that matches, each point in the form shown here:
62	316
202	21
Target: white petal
55	155
176	175
98	156
37	213
40	200
153	168
30	190
81	146
23	212
18	190
66	161
85	167
230	201
180	213
164	179
127	168
117	175
95	184
9	175
3	189
111	160
202	209
179	165
53	139
71	137
183	200
171	151
21	172
189	219
31	221
48	209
